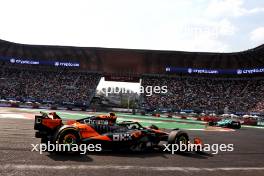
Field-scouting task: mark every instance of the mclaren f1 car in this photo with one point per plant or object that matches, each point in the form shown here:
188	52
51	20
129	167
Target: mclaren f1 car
104	130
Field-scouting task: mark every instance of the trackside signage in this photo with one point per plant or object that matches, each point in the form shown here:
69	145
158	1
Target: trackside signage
67	64
214	71
250	71
30	61
20	61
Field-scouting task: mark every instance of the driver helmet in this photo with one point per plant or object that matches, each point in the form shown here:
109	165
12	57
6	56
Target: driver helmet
112	117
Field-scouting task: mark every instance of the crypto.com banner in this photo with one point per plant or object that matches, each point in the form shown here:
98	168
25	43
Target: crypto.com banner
214	71
30	61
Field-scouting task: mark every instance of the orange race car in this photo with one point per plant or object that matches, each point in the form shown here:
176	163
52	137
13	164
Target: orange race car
104	130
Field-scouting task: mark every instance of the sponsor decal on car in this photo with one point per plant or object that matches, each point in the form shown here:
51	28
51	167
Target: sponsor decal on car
122	137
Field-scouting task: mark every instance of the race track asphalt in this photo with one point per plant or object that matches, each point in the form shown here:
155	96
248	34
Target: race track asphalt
16	157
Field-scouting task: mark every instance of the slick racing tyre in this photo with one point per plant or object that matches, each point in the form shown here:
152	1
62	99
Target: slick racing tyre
211	123
235	125
70	140
238	126
179	137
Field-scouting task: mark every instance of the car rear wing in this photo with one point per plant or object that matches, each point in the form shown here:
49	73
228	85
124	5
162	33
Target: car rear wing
44	122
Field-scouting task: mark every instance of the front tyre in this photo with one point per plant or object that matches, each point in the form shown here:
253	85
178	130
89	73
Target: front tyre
212	123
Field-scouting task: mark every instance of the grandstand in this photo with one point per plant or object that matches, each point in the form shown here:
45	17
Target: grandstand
195	81
61	86
207	94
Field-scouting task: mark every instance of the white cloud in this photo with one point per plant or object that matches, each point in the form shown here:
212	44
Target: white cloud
200	35
213	28
229	8
257	35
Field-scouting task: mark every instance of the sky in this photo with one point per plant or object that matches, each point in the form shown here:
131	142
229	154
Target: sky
188	25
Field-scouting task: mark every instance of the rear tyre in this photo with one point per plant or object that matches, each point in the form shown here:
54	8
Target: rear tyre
179	138
70	140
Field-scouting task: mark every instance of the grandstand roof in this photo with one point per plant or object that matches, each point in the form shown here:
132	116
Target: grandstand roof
111	60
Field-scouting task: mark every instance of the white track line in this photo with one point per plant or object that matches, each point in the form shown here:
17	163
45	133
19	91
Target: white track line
115	167
248	126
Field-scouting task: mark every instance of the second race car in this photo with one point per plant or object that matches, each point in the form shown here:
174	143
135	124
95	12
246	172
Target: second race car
226	123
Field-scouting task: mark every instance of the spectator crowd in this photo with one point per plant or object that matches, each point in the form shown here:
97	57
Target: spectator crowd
47	85
212	94
183	92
